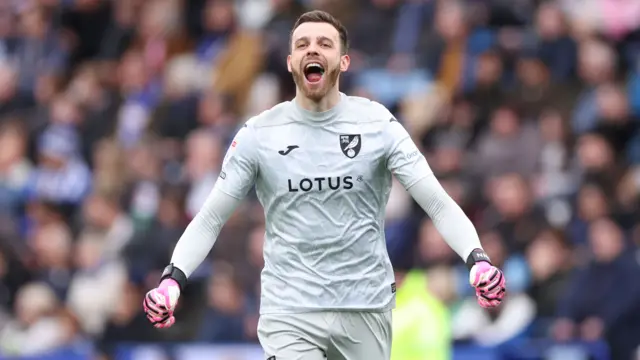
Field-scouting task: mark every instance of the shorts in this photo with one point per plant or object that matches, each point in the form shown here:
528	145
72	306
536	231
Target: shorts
327	335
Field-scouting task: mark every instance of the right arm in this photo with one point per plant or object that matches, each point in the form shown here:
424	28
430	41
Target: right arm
237	176
198	239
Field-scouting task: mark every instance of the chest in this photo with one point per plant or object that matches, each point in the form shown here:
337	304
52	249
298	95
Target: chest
320	159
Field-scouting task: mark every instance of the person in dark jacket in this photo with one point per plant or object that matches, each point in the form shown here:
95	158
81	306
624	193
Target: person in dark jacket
602	300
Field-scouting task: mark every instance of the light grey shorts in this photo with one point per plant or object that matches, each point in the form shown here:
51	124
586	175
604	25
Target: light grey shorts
327	335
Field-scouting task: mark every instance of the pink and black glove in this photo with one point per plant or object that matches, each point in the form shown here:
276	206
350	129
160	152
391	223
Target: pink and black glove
160	303
487	279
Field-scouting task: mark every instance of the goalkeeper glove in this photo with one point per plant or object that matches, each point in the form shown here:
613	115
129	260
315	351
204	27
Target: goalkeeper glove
160	303
487	279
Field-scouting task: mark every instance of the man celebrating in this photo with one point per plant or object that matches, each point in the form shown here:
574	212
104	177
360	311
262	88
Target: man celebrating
322	166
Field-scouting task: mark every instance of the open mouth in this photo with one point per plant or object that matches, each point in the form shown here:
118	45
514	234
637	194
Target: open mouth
313	72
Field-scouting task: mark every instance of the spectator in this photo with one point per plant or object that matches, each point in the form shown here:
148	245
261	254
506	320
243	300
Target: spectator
149	247
588	311
36	327
98	107
596	66
420	298
556	175
488	92
224	320
201	168
61	176
52	247
550	261
13	276
143	182
104	215
95	272
512	212
38	50
12	100
497	153
15	167
126	324
557	48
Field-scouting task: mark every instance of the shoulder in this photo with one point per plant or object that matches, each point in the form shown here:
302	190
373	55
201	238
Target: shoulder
371	111
277	115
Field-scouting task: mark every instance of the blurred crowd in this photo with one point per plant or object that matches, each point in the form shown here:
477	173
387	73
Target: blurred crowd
115	114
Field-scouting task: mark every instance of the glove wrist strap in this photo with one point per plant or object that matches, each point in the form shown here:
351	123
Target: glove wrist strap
475	256
172	272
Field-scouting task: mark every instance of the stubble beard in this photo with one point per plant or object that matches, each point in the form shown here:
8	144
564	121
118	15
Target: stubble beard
330	80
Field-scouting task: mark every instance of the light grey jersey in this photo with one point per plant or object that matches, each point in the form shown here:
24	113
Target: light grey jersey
324	180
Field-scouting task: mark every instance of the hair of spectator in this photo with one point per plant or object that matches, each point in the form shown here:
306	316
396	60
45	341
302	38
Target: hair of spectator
318	16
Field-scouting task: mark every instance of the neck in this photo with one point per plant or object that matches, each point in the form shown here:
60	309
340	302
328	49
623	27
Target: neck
328	102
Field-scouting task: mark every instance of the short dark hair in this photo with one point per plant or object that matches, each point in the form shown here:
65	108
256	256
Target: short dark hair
319	16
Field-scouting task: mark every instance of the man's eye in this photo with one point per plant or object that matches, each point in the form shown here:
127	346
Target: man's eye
326	45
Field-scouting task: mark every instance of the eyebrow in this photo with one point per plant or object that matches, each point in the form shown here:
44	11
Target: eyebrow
320	38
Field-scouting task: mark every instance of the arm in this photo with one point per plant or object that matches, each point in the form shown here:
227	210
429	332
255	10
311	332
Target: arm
198	239
455	227
237	176
411	169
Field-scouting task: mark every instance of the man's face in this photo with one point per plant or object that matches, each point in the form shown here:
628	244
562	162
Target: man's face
316	60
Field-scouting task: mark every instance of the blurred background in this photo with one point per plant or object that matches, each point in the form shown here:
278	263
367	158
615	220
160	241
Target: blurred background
114	116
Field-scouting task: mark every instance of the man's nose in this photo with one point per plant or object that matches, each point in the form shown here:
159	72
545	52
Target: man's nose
312	51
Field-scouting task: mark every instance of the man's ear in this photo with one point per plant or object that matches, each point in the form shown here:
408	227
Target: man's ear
289	63
345	61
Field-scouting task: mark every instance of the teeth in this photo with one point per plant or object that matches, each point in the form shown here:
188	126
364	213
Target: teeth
309	66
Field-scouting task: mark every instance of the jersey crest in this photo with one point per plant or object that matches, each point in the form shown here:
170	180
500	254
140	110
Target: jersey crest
350	145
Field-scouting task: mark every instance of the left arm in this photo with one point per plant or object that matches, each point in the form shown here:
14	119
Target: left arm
409	166
455	227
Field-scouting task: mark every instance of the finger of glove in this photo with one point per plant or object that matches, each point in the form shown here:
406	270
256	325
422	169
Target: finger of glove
165	324
155	319
161	322
496	289
490	300
491	296
153	305
487	304
489	277
161	298
153	311
500	285
480	274
493	283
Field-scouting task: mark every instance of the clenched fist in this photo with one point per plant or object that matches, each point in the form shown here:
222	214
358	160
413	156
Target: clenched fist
487	279
160	303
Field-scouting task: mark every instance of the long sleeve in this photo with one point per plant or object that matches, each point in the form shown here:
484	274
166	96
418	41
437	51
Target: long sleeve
198	239
239	170
410	167
455	227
